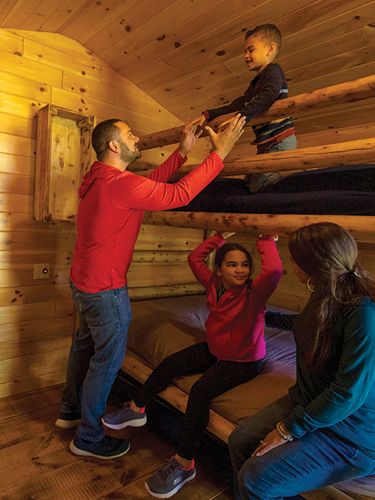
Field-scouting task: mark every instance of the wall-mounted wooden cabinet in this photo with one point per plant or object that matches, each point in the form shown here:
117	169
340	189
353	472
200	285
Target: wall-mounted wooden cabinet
64	154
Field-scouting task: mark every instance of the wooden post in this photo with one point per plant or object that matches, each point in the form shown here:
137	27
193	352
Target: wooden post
210	261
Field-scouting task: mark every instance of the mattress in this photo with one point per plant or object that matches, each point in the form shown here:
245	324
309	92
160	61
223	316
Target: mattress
344	190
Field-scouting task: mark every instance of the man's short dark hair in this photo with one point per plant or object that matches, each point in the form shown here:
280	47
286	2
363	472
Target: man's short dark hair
102	134
269	33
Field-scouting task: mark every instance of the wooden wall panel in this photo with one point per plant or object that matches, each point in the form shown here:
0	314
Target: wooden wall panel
37	317
124	21
290	293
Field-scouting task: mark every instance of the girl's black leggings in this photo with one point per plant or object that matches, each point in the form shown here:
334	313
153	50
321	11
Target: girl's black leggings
219	376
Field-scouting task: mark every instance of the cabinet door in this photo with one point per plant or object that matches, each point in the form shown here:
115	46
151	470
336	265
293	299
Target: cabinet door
64	155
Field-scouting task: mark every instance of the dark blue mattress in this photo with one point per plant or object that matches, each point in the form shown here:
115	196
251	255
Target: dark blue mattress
344	190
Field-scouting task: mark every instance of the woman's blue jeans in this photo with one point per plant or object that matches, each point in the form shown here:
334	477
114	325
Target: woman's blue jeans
96	355
316	460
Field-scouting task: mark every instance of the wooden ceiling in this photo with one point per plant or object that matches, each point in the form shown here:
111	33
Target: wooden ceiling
188	54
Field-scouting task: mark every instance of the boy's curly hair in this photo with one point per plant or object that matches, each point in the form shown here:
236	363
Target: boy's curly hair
269	33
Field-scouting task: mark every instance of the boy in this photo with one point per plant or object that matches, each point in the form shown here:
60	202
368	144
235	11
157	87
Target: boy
262	45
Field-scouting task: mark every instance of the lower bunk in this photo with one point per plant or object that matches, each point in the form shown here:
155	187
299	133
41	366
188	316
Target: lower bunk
162	326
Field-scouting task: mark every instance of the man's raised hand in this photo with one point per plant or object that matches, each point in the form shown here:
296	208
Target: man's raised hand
224	140
189	138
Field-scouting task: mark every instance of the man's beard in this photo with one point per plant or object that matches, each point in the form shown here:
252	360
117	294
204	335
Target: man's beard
126	155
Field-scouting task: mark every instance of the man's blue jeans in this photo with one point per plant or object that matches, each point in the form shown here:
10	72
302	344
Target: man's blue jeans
316	460
96	355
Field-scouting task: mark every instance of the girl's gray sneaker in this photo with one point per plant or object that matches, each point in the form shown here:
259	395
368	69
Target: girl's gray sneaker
124	417
168	480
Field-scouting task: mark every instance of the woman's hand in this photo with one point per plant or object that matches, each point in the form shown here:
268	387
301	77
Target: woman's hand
271	441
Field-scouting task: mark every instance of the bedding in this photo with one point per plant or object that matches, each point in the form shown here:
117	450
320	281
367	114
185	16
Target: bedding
162	326
343	190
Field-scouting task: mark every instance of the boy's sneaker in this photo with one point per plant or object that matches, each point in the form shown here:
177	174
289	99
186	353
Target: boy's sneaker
124	417
108	447
168	480
68	420
258	182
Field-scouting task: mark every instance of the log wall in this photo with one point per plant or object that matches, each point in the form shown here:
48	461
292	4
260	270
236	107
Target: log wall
37	317
290	293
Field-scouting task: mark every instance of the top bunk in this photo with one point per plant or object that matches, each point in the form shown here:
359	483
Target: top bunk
333	182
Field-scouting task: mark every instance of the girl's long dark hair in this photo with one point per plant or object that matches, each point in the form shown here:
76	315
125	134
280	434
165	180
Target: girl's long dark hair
328	253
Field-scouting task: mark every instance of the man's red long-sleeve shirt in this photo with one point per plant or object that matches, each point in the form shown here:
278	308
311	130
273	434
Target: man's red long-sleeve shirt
111	210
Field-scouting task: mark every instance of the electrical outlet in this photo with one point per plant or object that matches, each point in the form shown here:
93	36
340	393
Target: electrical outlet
41	271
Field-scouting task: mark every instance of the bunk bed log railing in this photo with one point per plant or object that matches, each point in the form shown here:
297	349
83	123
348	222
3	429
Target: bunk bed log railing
361	227
299	106
349	153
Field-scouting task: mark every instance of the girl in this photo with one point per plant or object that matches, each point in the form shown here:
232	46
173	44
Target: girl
323	431
231	355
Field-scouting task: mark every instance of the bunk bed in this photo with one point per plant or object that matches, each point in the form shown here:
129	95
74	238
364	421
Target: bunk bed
162	326
346	175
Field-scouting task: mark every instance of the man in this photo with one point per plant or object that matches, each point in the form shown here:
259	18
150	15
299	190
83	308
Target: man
110	214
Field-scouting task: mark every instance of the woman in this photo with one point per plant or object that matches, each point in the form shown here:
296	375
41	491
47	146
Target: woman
323	431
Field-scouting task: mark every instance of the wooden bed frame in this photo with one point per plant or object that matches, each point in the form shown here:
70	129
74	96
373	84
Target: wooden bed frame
349	153
136	369
217	425
361	227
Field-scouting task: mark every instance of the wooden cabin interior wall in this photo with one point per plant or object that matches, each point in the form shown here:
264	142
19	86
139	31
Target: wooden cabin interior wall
37	317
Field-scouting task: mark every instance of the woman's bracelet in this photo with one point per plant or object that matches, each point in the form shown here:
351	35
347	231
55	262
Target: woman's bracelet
283	432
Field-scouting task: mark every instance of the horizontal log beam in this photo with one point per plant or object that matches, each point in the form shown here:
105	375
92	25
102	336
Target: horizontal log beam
299	106
332	155
360	226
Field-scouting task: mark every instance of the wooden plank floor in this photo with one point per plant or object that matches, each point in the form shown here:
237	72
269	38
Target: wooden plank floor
36	464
